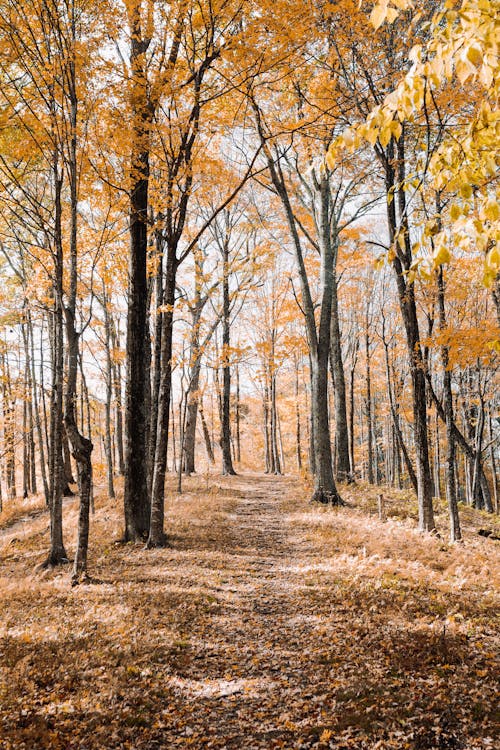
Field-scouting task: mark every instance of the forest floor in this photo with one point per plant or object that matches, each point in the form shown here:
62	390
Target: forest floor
268	623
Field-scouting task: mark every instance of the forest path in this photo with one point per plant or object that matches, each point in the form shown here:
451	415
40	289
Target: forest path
268	623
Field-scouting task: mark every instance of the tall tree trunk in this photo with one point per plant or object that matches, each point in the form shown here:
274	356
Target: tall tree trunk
298	442
225	438
81	447
237	410
493	463
195	358
117	389
26	454
274	426
38	425
108	444
191	419
368	405
395	416
156	350
57	552
351	409
267	437
325	490
343	471
9	430
157	537
451	489
136	498
395	181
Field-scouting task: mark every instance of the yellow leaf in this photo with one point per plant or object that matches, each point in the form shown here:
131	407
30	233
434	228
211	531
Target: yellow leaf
463	70
415	53
465	190
491	210
489	277
475	56
331	158
425	270
385	136
431	228
392	14
371	135
396	129
377	16
349	137
441	255
493	259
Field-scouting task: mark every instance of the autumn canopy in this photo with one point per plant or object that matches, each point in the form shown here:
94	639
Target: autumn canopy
250	250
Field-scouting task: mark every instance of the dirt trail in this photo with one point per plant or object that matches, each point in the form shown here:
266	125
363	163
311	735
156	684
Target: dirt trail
266	624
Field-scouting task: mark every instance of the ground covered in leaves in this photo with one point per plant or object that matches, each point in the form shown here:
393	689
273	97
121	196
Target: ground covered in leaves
268	623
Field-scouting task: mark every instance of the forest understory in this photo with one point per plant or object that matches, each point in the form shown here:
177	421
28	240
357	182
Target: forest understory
267	623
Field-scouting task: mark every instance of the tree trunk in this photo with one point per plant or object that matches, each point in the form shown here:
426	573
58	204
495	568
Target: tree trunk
9	430
81	447
237	416
274	427
136	499
117	388
38	425
298	443
57	553
351	410
265	415
157	537
368	405
206	435
157	347
395	417
343	471
451	490
225	439
191	419
401	264
108	444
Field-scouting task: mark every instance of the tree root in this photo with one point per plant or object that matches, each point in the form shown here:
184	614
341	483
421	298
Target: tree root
326	497
53	561
161	543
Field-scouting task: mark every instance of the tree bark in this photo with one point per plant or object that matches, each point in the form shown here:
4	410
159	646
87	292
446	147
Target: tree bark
38	425
57	552
81	447
451	489
108	444
157	537
298	440
343	472
206	435
136	498
225	438
117	388
368	404
401	263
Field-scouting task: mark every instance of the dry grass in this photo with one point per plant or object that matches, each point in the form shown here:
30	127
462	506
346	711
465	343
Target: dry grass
268	623
14	510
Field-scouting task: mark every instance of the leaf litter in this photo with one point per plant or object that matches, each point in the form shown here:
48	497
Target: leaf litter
268	623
